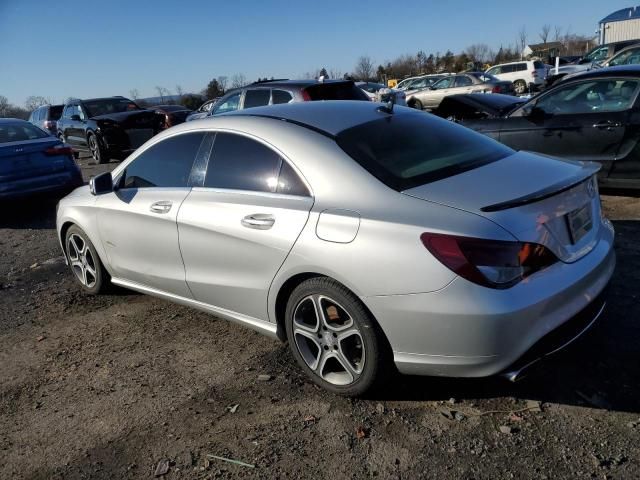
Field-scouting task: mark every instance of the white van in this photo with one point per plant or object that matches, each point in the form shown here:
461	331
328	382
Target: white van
525	75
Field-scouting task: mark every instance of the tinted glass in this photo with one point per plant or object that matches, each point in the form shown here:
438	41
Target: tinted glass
240	163
628	57
229	105
165	164
256	98
505	69
19	132
446	82
54	112
410	149
603	95
289	182
109	105
280	96
336	91
462	81
520	67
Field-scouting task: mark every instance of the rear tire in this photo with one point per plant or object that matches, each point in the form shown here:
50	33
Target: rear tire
520	87
98	153
335	339
85	264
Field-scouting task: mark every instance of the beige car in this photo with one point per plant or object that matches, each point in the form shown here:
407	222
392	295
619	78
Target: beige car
468	82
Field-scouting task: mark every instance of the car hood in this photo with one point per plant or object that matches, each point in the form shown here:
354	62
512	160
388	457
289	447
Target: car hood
567	69
528	195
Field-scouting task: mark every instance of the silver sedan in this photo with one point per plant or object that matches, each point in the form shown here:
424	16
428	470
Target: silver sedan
369	237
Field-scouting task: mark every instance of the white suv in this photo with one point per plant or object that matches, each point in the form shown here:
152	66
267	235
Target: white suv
525	75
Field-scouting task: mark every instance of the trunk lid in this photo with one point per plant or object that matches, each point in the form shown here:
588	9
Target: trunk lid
27	158
536	198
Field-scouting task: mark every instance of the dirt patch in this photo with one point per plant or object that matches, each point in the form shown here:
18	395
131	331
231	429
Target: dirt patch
111	386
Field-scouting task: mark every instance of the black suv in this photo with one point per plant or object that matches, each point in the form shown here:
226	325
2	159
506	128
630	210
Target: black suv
46	117
272	92
109	127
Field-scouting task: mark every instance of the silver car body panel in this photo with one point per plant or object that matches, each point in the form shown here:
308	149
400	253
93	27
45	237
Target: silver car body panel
362	233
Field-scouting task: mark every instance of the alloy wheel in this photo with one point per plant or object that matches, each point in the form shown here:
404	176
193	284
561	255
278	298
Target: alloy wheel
328	340
93	146
82	262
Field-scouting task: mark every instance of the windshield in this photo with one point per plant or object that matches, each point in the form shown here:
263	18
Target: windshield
20	132
629	57
595	55
109	105
410	149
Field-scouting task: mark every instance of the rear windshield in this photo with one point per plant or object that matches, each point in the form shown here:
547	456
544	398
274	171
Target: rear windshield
410	149
19	132
55	112
336	91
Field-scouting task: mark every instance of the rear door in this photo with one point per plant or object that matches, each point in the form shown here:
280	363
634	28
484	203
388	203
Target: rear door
237	228
137	221
580	121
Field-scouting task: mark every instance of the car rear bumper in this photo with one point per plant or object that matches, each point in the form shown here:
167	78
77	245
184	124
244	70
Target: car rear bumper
55	182
465	330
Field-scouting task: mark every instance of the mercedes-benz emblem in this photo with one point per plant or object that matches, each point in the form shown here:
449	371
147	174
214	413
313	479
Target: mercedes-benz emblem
591	188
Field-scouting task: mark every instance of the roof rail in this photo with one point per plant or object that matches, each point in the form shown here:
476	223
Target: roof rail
272	80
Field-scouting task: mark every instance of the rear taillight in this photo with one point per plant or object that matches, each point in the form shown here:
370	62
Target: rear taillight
490	263
496	89
49	124
59	151
534	74
305	96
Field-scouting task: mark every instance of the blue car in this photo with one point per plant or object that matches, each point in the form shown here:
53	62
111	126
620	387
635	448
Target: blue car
32	161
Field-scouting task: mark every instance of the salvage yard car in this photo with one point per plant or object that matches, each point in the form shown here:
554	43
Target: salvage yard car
32	162
592	116
109	127
365	235
474	106
468	82
525	75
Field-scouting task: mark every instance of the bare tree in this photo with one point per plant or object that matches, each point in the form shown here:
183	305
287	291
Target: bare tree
364	68
134	93
480	52
522	40
35	101
544	33
557	34
160	91
222	83
179	92
4	106
238	80
335	73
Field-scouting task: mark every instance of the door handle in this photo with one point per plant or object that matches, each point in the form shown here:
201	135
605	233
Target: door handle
259	221
162	206
607	125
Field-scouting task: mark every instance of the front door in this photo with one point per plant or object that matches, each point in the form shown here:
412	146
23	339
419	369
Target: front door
238	228
137	221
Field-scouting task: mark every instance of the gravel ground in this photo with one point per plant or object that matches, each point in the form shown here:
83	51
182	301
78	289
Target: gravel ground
127	386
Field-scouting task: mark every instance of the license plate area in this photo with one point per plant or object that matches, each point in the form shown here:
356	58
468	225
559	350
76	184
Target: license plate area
579	223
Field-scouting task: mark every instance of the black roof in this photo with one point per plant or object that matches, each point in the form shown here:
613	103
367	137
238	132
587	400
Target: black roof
76	100
295	83
619	71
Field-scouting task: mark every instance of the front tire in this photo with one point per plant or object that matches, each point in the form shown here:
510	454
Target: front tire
84	262
417	104
97	151
334	338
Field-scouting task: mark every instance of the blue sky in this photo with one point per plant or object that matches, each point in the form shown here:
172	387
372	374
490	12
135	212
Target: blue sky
73	48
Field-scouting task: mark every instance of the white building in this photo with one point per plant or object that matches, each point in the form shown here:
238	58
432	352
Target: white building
620	26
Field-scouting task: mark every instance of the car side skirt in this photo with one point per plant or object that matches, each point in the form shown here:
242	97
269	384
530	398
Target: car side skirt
266	328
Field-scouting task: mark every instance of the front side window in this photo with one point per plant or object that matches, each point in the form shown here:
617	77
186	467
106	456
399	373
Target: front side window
603	95
446	82
495	71
229	105
410	149
166	164
256	98
597	54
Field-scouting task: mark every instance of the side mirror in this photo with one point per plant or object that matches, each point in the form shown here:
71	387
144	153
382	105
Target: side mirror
101	184
75	118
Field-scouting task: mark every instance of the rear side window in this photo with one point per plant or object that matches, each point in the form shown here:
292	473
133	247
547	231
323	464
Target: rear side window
256	98
280	96
335	91
240	163
410	149
19	132
521	67
289	183
166	164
